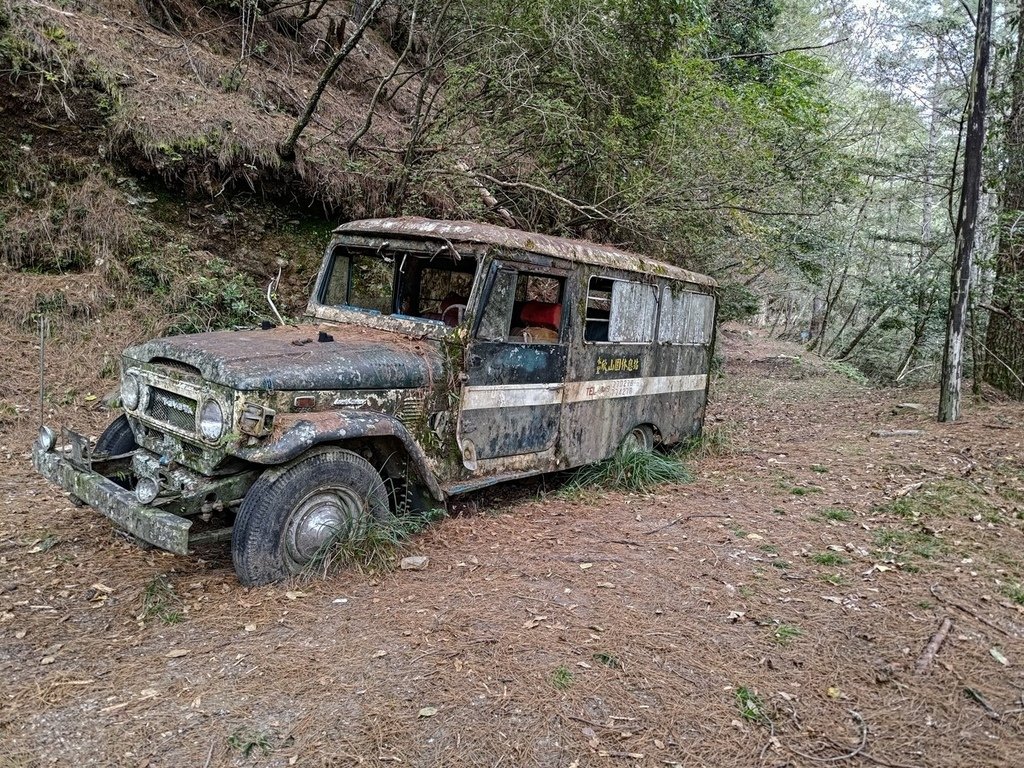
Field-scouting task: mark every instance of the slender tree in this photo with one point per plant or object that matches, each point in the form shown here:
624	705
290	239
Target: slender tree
286	150
1004	363
967	219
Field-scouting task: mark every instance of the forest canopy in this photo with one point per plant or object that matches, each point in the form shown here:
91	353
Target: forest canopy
806	154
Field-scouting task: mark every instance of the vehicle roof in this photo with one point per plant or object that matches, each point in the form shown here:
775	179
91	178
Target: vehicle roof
547	245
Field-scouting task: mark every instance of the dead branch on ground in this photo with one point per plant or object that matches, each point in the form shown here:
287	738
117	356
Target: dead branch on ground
928	656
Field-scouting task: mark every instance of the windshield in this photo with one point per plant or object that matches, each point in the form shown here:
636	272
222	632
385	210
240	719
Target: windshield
400	282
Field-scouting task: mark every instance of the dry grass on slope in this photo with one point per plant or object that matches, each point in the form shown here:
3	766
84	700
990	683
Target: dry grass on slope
188	106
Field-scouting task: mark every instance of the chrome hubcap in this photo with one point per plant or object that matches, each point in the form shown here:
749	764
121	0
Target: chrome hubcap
322	517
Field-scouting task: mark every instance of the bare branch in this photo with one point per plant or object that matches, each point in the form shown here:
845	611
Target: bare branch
287	150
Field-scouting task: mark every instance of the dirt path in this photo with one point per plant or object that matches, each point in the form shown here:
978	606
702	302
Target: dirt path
770	613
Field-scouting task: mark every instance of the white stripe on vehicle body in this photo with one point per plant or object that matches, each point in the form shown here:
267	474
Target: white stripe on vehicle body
520	395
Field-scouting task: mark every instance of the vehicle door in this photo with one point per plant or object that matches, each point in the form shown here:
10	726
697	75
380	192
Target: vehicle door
515	371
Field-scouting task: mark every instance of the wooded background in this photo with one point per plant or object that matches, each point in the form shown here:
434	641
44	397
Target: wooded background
808	155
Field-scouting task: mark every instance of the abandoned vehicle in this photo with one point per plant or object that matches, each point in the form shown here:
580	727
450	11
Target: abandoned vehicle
435	358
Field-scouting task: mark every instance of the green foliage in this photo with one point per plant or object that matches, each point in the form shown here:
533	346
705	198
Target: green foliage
219	297
751	705
562	678
247	741
838	514
849	371
901	543
160	601
784	634
714	441
829	558
371	548
607	659
736	302
1015	592
630	469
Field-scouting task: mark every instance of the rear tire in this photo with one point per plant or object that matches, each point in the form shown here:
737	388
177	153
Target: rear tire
640	438
291	516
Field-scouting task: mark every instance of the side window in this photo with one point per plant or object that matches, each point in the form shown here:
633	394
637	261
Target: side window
620	311
497	315
686	317
524	308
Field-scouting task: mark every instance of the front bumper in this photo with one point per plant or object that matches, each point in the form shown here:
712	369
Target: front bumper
151	524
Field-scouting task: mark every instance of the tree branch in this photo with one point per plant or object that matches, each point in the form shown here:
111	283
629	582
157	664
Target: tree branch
287	150
777	53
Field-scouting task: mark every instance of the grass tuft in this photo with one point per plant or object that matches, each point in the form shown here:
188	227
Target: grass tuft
829	558
630	469
837	513
712	442
784	634
562	678
160	601
371	548
750	704
607	659
247	741
1015	592
903	543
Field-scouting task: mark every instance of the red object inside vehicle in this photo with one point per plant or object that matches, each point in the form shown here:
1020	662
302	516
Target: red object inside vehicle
542	314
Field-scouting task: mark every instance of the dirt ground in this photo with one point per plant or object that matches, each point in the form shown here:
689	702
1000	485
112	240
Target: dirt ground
771	613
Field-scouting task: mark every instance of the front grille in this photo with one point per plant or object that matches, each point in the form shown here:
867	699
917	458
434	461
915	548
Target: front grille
171	408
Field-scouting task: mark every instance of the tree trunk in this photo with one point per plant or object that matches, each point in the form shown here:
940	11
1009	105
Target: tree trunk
967	221
848	349
286	150
1004	359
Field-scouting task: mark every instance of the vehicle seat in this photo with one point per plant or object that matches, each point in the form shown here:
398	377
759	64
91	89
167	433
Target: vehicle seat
541	314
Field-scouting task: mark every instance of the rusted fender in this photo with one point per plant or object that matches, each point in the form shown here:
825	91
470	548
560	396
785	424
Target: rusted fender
296	433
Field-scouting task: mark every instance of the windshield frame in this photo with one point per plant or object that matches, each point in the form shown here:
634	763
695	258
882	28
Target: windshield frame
394	247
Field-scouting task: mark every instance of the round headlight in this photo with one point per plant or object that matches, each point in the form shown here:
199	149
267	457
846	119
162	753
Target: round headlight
211	420
147	489
131	391
47	438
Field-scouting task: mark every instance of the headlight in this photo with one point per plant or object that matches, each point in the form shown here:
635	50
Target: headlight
146	490
47	438
211	420
131	391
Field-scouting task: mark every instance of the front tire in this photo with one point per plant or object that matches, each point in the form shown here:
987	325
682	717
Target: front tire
117	439
292	515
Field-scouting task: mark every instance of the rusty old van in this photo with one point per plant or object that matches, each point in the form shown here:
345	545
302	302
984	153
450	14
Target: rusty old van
435	358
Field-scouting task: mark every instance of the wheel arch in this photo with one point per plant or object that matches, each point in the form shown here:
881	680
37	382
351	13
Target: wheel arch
383	436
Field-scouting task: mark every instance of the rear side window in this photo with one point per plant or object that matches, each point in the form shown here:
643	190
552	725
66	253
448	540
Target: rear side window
686	317
620	311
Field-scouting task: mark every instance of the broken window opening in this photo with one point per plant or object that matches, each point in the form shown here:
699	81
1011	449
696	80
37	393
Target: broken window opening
523	308
415	285
619	311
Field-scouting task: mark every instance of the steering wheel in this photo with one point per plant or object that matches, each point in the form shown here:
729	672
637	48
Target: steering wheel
460	312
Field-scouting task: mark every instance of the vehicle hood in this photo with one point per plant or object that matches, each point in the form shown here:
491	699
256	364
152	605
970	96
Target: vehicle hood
305	357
